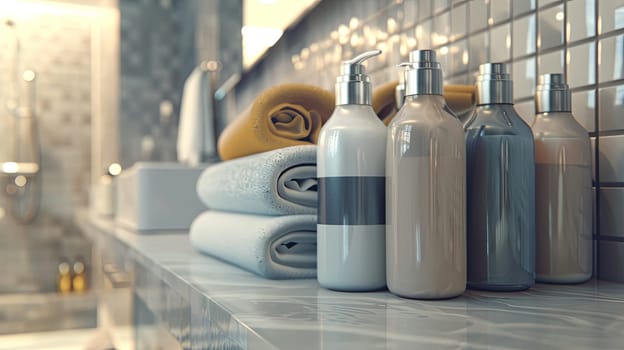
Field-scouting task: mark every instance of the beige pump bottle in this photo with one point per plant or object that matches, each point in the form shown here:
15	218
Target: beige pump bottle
563	187
425	189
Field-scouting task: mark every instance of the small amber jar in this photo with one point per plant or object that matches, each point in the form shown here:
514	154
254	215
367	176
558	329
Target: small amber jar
64	279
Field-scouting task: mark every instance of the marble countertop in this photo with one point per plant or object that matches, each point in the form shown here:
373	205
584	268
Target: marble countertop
207	303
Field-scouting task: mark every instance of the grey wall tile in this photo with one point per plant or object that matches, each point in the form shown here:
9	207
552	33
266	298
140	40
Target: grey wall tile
612	108
524	36
523	6
439	5
611	57
581	61
543	3
581	19
550	63
422	32
611	15
611	211
611	161
499	11
478	15
424	9
611	260
550	27
479	50
410	12
459	59
444	57
459	20
584	108
394	21
500	51
441	29
524	78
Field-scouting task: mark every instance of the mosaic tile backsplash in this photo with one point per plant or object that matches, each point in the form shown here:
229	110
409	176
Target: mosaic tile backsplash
583	38
157	53
162	41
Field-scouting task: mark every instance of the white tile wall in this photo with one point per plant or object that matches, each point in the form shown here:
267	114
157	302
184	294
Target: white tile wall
581	69
551	22
524	36
581	19
583	38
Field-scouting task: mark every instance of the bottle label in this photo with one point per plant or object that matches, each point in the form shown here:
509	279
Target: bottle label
352	200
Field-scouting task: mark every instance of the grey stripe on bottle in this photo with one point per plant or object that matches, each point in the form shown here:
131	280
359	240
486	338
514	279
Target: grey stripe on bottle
351	200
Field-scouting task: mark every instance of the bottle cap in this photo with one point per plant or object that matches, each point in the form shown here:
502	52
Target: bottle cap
423	75
353	85
494	84
78	267
552	94
63	268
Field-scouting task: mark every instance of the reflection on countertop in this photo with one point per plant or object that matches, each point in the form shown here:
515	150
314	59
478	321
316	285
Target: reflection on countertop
206	303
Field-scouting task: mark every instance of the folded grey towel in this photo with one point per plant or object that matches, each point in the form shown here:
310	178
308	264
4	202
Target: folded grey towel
276	247
278	182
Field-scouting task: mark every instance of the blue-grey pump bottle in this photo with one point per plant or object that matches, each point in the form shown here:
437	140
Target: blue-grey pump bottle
501	188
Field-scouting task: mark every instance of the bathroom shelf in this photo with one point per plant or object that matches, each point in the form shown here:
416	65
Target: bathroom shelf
206	303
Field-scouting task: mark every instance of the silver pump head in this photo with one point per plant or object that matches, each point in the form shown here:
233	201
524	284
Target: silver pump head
353	86
494	84
423	75
552	94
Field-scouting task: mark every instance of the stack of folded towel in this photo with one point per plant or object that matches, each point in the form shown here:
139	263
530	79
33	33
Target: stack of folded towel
262	199
262	212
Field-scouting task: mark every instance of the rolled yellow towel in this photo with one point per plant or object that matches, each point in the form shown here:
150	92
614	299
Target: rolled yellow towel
384	103
459	98
282	116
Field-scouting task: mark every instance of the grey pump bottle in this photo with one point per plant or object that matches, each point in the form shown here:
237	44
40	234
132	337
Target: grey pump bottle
563	187
425	189
501	188
351	173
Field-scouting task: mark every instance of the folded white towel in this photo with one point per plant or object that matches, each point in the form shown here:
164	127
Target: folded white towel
196	138
276	247
278	182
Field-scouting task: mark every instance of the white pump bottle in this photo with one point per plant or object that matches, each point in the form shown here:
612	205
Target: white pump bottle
351	172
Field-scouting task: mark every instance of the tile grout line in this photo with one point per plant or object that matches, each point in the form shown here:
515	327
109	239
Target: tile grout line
597	127
537	50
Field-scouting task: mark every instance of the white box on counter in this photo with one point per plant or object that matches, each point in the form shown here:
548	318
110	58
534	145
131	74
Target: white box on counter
158	196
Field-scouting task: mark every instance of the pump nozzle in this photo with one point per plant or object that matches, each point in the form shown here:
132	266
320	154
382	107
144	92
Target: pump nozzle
353	85
354	65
